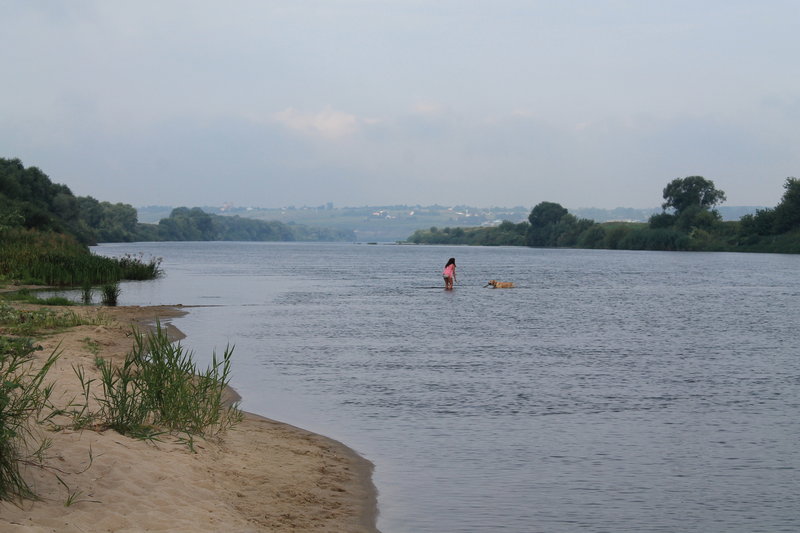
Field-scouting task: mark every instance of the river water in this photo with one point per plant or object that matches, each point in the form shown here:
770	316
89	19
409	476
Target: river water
610	391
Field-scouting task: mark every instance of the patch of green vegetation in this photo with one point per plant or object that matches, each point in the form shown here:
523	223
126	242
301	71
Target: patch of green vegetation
92	346
159	388
30	322
692	225
110	293
29	296
46	258
23	397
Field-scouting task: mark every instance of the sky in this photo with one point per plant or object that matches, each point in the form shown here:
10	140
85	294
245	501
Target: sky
595	103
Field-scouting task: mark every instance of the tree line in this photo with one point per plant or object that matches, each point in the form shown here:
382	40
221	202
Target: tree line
688	221
30	200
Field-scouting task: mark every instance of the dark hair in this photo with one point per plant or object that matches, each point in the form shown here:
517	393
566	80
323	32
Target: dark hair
451	261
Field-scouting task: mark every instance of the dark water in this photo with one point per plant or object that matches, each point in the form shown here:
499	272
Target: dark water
608	392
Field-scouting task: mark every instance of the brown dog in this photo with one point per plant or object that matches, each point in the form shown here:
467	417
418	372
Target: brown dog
500	284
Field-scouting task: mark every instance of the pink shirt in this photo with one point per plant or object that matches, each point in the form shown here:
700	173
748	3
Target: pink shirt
449	271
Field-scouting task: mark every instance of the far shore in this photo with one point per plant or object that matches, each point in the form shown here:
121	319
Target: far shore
261	475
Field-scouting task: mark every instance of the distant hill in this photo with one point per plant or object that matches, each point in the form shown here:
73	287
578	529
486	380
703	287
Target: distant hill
396	222
631	214
29	200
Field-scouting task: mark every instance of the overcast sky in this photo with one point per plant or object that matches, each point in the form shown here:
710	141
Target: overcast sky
595	103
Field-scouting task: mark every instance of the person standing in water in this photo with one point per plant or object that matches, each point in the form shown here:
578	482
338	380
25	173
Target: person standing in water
449	273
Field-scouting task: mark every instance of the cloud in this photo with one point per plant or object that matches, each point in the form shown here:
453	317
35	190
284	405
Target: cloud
597	104
429	109
328	123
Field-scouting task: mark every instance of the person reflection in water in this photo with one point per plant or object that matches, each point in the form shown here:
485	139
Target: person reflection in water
449	273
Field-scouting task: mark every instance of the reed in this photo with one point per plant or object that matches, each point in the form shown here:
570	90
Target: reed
158	386
87	291
123	405
23	396
41	258
110	293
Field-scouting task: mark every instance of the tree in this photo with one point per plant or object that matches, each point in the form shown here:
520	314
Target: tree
694	217
569	228
546	213
787	213
662	220
683	193
543	219
781	219
592	237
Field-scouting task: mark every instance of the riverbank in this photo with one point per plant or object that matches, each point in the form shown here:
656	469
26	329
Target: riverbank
262	475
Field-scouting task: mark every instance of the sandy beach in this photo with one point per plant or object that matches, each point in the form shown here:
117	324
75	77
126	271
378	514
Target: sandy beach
262	475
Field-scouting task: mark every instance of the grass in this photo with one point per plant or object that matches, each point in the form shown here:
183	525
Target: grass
110	292
159	387
30	296
23	397
42	258
92	346
30	322
87	291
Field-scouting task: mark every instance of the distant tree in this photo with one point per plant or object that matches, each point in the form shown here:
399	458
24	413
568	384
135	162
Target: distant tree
9	218
696	217
614	235
592	237
762	222
693	191
186	224
781	219
552	225
569	229
787	212
37	202
506	226
662	220
546	214
543	219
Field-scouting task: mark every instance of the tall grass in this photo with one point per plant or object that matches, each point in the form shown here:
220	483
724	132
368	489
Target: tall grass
110	292
123	404
158	386
23	396
42	258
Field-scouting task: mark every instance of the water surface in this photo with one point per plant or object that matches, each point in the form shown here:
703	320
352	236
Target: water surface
609	391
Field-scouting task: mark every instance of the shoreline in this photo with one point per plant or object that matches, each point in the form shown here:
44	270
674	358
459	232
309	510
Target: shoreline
260	475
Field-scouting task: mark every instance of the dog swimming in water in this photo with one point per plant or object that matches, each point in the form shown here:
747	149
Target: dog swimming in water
500	284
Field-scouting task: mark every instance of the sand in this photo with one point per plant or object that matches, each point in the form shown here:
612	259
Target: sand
261	475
